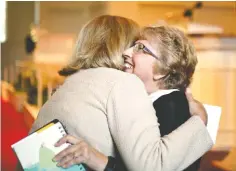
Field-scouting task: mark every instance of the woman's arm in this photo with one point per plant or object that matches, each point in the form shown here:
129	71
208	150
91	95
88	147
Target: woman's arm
135	130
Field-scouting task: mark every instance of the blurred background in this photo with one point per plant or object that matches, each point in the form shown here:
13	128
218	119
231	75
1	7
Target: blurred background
37	39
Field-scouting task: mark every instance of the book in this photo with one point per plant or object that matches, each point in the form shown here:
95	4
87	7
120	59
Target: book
214	114
36	151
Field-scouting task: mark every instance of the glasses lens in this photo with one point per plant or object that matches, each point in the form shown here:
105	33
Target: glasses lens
138	47
141	48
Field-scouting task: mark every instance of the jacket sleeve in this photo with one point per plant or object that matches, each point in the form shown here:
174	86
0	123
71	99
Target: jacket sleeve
135	130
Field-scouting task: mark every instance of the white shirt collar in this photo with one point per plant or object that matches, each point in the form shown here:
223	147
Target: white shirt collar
154	96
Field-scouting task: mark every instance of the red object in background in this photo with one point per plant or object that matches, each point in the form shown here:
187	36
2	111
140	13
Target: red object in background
13	128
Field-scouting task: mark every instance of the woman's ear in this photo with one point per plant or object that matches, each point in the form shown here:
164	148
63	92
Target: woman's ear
156	77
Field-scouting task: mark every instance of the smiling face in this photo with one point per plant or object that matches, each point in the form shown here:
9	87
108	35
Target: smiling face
163	58
140	60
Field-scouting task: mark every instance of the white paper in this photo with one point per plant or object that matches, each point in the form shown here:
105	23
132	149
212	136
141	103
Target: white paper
213	113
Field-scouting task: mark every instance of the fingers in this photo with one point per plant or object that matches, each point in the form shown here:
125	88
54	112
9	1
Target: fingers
66	152
71	159
81	152
77	160
78	152
189	95
72	155
67	139
66	159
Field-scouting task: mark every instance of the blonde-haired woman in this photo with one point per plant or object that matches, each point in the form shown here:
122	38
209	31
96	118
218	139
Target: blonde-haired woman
108	107
101	43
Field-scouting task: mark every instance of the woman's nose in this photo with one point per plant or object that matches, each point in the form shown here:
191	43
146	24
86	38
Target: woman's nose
128	53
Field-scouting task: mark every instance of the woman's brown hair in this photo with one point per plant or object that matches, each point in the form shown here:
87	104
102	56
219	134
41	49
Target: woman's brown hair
177	56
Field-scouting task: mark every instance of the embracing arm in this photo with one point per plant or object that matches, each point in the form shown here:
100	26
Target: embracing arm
135	130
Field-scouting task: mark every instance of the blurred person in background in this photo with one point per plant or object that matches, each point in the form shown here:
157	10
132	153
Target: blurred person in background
110	108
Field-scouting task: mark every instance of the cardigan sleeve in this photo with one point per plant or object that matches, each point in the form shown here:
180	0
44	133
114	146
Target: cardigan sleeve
135	130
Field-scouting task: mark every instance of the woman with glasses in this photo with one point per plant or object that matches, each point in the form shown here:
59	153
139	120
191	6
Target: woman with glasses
110	109
165	60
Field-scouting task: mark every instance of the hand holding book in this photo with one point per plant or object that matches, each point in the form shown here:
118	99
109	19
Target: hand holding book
79	152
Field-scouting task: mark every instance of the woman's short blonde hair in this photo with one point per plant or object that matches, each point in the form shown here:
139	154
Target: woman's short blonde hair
101	43
177	56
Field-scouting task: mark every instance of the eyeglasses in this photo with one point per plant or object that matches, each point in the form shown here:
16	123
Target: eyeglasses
139	47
